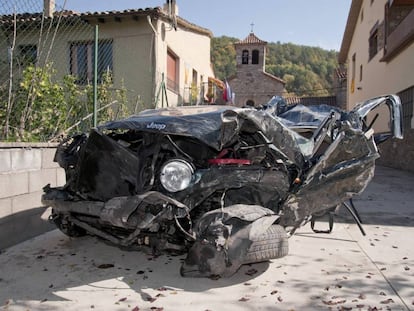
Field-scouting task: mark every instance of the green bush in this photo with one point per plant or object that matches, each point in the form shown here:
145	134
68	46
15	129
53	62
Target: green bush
43	109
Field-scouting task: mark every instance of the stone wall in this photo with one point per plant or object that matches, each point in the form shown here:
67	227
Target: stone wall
256	86
24	170
398	153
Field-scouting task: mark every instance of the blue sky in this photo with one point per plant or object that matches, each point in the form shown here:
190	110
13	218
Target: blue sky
314	23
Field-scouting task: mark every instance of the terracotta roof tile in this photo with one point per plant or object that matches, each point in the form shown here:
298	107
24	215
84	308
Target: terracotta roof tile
157	11
251	39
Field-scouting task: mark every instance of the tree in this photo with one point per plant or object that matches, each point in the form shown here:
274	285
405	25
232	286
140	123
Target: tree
308	71
223	56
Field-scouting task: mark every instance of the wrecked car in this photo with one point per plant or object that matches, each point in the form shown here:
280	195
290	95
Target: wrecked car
225	185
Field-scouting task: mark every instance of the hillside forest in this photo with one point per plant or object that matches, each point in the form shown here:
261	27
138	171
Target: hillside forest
307	71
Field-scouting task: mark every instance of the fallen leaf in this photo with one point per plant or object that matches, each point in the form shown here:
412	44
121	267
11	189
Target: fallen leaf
159	295
382	294
360	306
122	299
140	272
280	281
394	246
214	277
389	300
333	302
406	268
151	299
362	296
251	271
279	299
243	299
135	309
273	292
105	266
247	283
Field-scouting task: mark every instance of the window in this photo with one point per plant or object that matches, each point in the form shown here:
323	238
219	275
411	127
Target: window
172	71
407	101
27	54
373	41
245	57
82	59
255	57
194	81
397	32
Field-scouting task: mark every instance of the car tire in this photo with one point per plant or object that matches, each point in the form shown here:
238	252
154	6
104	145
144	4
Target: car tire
271	244
68	228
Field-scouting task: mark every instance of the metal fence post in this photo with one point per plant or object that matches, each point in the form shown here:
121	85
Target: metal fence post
95	79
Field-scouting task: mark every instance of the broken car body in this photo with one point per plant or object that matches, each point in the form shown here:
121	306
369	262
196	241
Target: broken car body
225	185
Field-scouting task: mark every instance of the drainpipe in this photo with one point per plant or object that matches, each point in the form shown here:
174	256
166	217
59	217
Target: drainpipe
154	60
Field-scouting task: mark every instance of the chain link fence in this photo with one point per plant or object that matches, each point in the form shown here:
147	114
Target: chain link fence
47	72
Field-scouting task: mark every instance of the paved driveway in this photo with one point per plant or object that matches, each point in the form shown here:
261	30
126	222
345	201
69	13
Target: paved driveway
339	271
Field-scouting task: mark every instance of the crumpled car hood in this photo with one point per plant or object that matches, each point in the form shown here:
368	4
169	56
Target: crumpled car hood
216	126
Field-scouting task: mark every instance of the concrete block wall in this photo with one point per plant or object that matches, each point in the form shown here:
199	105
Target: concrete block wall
24	170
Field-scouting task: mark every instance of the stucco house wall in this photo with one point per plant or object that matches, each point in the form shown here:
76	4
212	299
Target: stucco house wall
140	40
378	77
192	50
377	50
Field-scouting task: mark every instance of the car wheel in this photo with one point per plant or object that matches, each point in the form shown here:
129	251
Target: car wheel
68	228
271	244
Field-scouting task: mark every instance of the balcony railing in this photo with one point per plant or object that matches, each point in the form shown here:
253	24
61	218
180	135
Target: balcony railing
399	38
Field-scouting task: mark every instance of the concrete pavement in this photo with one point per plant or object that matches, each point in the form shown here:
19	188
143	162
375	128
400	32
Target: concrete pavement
339	271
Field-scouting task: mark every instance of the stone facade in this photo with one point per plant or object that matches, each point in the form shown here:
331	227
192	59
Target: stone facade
251	84
397	153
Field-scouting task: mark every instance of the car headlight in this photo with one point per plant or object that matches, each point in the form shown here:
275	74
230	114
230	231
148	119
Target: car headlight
176	175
